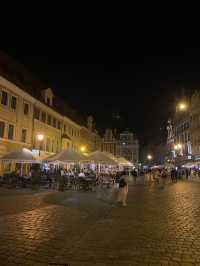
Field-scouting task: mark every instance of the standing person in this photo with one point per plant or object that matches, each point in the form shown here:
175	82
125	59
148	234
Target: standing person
164	176
134	174
173	175
61	180
123	189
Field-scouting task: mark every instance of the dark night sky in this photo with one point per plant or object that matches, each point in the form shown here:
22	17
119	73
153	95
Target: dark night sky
113	59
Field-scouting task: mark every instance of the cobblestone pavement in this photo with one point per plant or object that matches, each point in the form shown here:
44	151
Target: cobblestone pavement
158	227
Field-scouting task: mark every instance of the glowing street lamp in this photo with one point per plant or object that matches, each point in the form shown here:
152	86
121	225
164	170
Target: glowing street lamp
83	149
182	106
180	146
149	157
40	138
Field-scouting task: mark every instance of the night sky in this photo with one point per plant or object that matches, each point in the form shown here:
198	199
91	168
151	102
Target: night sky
124	65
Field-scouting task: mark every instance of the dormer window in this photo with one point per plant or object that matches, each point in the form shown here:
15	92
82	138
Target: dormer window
47	96
48	101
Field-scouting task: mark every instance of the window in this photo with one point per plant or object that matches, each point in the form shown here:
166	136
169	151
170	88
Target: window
4	98
2	129
57	145
54	122
48	143
10	131
37	113
24	133
59	124
13	102
26	108
52	147
44	117
48	101
49	120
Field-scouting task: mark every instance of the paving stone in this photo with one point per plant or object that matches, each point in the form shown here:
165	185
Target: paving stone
158	227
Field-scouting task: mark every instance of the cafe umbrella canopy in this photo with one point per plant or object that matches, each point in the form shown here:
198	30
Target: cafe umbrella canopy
67	156
99	157
22	156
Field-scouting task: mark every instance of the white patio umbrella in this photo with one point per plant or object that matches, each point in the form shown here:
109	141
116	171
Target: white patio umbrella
20	156
67	156
123	162
100	157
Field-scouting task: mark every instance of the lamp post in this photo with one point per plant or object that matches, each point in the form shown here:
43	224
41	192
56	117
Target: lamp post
40	138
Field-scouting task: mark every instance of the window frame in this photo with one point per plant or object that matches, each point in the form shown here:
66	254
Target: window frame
49	116
13	133
43	113
11	98
22	135
4	129
26	104
1	98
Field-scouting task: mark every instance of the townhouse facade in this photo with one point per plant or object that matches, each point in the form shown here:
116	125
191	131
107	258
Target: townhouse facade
28	110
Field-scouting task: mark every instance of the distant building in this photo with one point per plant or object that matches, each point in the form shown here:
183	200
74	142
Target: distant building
128	147
109	143
195	124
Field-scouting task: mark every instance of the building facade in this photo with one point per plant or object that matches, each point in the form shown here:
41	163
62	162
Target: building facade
28	110
182	132
128	147
195	124
110	142
186	130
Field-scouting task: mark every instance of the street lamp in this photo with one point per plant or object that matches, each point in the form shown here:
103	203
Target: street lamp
40	138
180	146
83	149
177	147
149	157
182	106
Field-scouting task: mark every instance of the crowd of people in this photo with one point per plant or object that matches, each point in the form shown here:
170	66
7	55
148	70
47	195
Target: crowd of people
88	179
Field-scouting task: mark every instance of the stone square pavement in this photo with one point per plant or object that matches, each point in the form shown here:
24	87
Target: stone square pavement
160	226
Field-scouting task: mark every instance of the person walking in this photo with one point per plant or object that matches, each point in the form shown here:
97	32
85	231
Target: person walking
134	175
123	189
